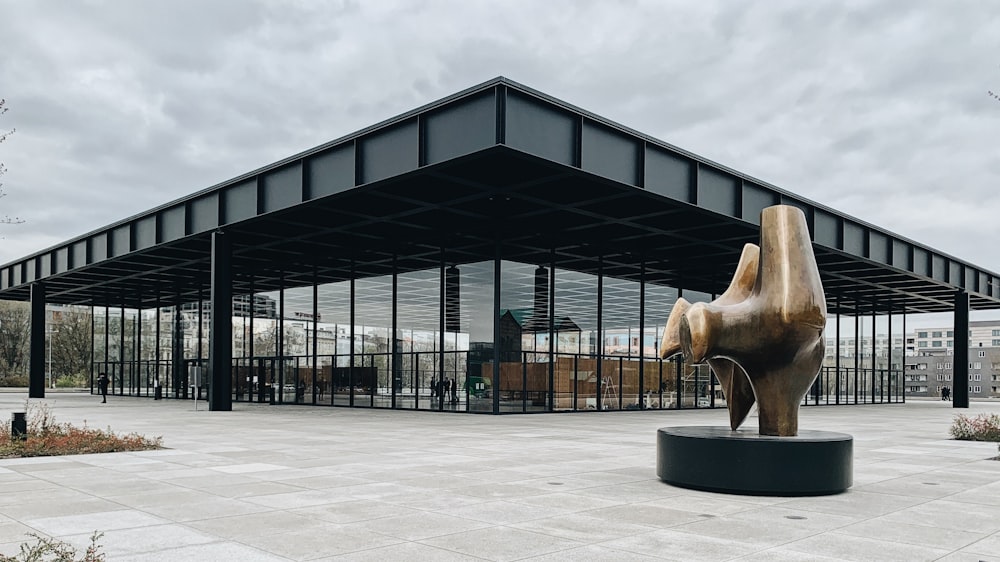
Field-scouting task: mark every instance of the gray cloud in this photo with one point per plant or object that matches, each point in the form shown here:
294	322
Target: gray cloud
878	109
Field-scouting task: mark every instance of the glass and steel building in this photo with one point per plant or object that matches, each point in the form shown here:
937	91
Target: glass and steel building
496	251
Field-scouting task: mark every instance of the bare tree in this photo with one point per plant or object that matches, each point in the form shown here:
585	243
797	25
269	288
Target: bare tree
3	169
71	339
15	323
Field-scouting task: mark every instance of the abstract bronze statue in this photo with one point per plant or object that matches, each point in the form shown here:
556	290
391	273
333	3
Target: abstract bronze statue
764	336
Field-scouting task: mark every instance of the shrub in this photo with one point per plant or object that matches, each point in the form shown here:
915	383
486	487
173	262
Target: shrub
983	427
72	381
45	549
14	380
47	438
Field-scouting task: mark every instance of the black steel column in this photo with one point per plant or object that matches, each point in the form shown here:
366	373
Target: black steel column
395	370
599	349
36	358
837	356
177	353
93	351
495	383
220	328
553	336
442	285
960	395
901	393
315	347
642	338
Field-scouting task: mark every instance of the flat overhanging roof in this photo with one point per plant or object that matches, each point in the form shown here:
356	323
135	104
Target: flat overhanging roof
498	163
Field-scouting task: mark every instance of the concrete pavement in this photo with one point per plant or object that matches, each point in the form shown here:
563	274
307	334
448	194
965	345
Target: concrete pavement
312	483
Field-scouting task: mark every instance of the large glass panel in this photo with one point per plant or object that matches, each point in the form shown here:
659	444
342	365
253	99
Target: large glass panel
418	311
897	351
866	374
69	339
523	337
264	345
577	340
622	344
333	343
469	335
372	358
297	384
100	349
659	377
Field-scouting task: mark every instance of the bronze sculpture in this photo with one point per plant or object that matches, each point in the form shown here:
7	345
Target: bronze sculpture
764	336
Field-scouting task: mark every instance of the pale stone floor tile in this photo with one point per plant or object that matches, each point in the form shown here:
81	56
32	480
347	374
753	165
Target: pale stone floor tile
583	528
249	467
250	490
862	549
504	512
953	515
646	514
124	543
79	505
306	544
434	501
205	508
963	556
256	524
677	545
101	521
593	553
701	503
989	546
423	525
354	511
501	543
292	500
215	552
781	555
763	529
855	503
402	551
568	501
928	534
13	531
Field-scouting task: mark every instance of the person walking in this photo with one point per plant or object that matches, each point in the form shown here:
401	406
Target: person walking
102	386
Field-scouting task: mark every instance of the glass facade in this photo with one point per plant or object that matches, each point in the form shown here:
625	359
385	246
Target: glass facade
498	336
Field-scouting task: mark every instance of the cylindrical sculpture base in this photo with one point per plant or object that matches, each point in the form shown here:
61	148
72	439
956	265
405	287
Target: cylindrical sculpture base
717	459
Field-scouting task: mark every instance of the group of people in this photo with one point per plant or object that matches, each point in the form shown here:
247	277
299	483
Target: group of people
447	388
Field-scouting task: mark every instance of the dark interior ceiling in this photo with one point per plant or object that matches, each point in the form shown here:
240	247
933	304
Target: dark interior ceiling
538	211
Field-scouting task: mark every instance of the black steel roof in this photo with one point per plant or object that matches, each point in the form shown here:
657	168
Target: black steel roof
497	163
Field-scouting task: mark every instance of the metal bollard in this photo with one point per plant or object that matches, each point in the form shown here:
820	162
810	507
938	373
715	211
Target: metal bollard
19	426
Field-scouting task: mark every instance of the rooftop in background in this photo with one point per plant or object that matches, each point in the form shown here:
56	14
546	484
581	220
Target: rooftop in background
498	162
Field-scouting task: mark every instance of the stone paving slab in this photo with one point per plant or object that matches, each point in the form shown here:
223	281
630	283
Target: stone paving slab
310	483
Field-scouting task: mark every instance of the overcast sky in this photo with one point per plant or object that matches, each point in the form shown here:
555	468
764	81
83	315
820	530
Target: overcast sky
877	109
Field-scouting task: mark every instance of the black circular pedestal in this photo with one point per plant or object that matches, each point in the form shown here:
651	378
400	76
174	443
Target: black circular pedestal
744	462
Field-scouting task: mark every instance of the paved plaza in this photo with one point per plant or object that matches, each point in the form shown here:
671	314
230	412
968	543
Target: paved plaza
309	483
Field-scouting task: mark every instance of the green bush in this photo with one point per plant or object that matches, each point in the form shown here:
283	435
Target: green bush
73	381
983	427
